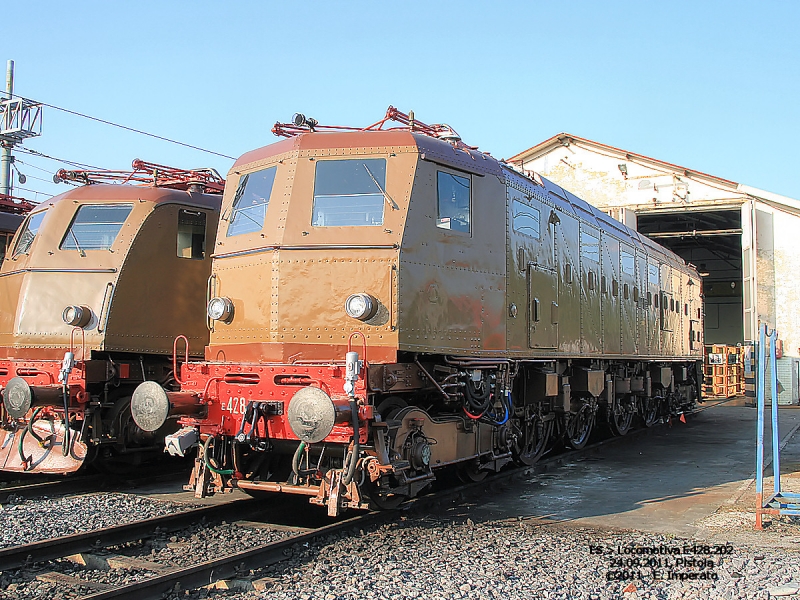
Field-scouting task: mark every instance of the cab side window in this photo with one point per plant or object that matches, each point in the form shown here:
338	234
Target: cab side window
251	201
525	219
29	230
453	195
191	234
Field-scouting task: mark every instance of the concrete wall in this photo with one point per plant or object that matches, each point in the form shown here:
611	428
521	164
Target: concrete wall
786	266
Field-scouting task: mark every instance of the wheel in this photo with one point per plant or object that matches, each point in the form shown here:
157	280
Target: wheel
390	406
620	421
533	435
380	499
469	472
580	426
648	411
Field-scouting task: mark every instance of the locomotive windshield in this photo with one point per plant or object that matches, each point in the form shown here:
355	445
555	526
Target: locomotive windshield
349	193
95	227
29	231
251	201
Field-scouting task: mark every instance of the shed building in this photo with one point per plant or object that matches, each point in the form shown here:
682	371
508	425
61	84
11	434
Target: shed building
743	240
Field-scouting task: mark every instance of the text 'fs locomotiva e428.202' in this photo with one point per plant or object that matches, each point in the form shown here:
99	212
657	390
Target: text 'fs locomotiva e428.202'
387	302
96	285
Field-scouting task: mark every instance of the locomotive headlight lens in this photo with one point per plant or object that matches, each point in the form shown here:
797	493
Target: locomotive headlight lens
77	316
361	306
220	309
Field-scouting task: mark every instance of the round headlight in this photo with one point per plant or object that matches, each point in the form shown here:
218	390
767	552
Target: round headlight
77	316
220	309
361	306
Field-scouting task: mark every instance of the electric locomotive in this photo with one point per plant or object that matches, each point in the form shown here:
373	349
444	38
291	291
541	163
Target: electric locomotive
96	285
390	302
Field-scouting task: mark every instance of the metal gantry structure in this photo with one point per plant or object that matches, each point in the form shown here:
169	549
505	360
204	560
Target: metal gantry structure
20	119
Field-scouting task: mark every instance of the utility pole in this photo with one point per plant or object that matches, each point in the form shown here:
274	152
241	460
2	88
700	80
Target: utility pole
5	160
19	119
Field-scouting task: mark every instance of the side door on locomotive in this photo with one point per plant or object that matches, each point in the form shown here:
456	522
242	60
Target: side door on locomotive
591	309
630	317
531	271
610	288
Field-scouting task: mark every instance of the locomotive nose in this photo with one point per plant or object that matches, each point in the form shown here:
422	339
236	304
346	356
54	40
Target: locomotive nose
312	414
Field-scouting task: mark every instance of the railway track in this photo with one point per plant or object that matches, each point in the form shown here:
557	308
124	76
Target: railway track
86	483
100	549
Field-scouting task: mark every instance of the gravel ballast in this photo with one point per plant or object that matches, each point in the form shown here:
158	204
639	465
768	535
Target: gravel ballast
437	559
419	556
32	520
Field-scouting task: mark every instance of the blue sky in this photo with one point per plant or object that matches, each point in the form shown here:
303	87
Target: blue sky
712	86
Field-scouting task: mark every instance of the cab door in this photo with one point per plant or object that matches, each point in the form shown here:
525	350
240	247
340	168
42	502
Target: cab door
609	293
591	319
628	290
531	240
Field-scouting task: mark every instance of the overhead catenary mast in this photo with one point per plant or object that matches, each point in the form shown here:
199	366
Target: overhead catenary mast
20	119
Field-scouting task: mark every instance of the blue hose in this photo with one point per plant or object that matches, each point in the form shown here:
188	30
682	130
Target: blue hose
506	407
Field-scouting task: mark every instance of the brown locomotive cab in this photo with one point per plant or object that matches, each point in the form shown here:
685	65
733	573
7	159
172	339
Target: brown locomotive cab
97	284
385	304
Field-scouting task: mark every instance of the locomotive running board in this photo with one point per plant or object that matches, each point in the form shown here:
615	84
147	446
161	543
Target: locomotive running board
45	457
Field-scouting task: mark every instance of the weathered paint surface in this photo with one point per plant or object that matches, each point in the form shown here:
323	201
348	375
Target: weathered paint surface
484	292
140	292
594	172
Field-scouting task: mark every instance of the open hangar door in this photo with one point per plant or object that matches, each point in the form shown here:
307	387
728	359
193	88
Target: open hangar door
712	241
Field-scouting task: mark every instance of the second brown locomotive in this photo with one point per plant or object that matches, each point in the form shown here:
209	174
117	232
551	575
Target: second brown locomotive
97	284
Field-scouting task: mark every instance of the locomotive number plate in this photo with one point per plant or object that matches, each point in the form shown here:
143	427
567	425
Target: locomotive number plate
237	405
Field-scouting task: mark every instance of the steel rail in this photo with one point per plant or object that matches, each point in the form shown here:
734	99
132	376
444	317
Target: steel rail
84	483
225	567
40	488
17	556
229	566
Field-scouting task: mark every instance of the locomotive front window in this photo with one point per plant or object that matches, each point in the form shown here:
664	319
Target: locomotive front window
251	201
95	227
349	193
524	219
453	193
29	232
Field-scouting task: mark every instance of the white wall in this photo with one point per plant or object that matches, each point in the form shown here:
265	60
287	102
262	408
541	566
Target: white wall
596	178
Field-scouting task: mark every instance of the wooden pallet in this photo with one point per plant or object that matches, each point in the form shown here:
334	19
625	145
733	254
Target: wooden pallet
723	371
